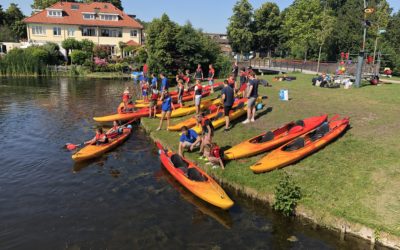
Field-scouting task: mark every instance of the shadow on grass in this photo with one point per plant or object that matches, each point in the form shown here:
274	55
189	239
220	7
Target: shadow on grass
264	112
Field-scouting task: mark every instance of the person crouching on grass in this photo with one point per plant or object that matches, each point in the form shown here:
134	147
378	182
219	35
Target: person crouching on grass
188	140
207	132
166	108
213	155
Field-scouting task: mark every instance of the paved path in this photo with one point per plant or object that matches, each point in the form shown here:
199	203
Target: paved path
389	80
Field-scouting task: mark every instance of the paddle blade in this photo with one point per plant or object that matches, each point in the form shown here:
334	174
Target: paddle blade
71	146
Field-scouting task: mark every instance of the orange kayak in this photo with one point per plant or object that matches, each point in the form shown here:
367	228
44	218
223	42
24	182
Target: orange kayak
187	97
194	179
93	151
301	146
274	138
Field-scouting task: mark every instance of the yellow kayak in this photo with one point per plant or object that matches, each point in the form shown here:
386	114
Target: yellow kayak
93	151
192	109
240	110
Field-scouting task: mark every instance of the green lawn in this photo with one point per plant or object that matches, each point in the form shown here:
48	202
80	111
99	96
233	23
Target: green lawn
355	178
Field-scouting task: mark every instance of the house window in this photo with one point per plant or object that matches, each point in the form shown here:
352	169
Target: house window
88	16
54	13
57	31
38	30
111	33
134	33
74	7
71	32
109	17
88	31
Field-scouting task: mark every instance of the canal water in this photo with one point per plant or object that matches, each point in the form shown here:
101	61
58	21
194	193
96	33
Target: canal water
124	200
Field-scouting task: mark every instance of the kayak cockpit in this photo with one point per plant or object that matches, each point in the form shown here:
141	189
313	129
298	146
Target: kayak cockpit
184	168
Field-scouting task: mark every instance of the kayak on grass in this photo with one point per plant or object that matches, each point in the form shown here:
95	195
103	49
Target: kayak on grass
187	110
272	139
301	147
215	111
194	179
93	151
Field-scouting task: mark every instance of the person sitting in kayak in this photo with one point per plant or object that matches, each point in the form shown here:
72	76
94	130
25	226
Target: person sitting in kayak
153	101
98	139
213	155
125	98
188	140
114	131
207	132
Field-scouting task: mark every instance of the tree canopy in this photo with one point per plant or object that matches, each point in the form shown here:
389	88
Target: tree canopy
240	27
12	28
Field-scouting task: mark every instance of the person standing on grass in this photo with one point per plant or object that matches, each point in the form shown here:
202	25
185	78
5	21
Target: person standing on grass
181	89
153	101
228	98
252	95
187	79
235	70
166	108
198	74
164	82
243	77
198	92
154	80
211	74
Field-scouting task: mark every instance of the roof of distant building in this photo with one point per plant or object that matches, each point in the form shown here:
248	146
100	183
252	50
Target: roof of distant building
72	14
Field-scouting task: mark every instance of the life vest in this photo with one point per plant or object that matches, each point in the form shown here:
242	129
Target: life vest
198	73
199	90
204	127
100	136
231	82
154	95
211	73
215	151
125	97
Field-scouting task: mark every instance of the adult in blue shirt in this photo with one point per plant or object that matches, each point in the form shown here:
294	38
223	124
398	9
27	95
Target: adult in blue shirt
188	140
228	97
164	82
154	80
252	95
166	108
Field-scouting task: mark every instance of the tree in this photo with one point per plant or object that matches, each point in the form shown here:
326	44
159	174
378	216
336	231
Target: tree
380	21
2	15
87	45
80	57
240	27
267	25
161	44
13	17
325	31
302	22
70	44
43	4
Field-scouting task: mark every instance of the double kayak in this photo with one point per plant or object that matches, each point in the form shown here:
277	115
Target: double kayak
194	179
301	147
187	110
92	151
273	138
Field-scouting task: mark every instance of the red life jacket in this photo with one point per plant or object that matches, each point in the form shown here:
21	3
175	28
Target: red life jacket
125	97
99	136
216	151
199	90
154	95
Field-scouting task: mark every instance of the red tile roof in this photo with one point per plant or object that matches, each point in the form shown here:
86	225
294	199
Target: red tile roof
75	17
132	43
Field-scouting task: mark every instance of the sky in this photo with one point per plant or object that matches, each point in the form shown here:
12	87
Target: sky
208	15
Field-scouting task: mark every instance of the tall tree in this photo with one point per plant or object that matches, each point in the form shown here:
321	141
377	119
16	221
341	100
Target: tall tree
301	25
1	15
326	29
240	27
42	4
267	25
13	17
161	44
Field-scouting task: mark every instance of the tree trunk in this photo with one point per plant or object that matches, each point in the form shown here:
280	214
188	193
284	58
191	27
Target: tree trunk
305	55
319	58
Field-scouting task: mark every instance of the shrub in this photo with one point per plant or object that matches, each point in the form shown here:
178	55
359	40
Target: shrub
223	66
101	51
287	194
79	56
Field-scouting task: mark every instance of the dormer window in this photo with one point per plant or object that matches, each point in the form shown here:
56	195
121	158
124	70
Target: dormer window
109	17
54	13
89	16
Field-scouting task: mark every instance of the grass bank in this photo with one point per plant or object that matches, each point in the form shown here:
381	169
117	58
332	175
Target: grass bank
352	184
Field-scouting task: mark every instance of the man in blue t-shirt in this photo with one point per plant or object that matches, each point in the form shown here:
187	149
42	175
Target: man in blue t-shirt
154	80
164	82
228	97
189	139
